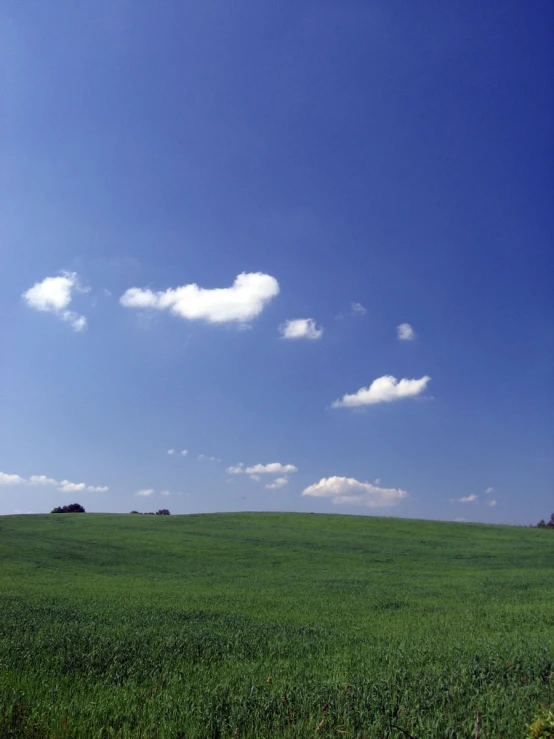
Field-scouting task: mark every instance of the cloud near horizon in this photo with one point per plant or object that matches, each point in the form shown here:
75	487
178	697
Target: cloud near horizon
240	303
280	482
54	294
273	468
348	490
65	486
300	328
383	390
466	499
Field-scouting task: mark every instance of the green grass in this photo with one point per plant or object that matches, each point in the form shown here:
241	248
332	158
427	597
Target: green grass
272	625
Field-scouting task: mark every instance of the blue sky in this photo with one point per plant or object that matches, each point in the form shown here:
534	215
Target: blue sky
323	173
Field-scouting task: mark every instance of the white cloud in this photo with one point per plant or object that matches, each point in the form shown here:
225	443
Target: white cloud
465	499
206	458
383	390
145	493
488	491
273	468
165	493
171	452
6	479
405	332
42	480
300	328
256	478
184	452
71	487
491	503
347	490
65	486
280	482
54	294
357	309
241	302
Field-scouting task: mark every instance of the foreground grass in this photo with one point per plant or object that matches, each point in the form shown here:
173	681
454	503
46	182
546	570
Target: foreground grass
272	625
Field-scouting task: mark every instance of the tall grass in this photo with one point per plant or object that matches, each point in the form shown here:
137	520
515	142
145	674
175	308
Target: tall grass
272	625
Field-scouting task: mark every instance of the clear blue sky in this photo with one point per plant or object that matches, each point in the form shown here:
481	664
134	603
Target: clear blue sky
365	165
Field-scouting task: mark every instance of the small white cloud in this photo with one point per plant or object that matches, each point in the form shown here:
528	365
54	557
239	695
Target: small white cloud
184	452
71	487
42	480
171	452
54	294
206	458
256	478
280	482
357	309
243	301
273	468
491	503
97	488
300	328
489	491
465	499
405	332
165	493
145	493
347	490
383	390
6	479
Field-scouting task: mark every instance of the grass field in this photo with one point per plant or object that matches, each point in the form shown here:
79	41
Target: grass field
272	625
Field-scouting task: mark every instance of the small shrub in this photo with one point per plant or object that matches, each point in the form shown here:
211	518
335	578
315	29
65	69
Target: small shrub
543	726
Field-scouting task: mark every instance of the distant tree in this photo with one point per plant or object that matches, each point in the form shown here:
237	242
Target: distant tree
542	524
135	511
163	512
71	508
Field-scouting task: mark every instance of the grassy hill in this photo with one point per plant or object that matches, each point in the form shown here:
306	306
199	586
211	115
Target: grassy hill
272	625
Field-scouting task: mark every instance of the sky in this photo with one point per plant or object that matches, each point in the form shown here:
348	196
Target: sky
289	256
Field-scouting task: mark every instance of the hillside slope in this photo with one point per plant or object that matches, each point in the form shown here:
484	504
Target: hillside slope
267	625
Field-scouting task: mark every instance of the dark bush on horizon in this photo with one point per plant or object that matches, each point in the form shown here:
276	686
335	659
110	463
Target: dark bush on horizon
71	508
546	524
161	512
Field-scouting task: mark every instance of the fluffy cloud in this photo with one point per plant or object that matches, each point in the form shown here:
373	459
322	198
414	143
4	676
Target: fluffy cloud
78	487
383	390
405	332
347	490
165	493
491	503
273	468
488	491
184	452
145	493
280	482
357	309
206	458
300	328
42	480
171	452
71	487
465	499
6	479
54	294
65	486
243	301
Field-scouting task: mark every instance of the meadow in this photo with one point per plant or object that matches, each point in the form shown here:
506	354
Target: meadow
272	625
